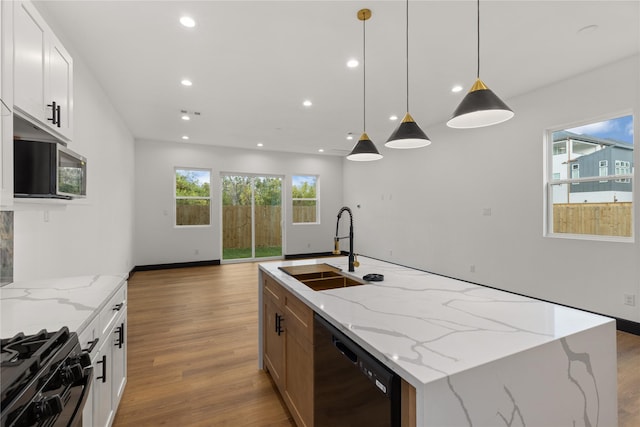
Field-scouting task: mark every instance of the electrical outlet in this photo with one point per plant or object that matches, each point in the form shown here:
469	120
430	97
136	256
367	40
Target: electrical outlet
472	268
630	299
197	251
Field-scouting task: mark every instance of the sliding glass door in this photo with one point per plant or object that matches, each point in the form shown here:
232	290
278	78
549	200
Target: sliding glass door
251	217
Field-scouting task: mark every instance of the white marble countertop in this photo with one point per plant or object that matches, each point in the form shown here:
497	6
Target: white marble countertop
50	304
426	327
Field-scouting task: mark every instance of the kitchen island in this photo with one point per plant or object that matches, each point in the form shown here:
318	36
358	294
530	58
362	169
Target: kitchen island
476	356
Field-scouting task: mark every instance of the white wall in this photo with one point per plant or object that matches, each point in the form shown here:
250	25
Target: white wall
97	236
158	241
426	208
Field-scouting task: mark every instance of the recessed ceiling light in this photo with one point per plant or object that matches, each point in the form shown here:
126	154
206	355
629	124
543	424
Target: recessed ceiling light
260	144
320	150
187	21
307	103
185	117
456	89
186	82
353	63
393	117
349	136
185	137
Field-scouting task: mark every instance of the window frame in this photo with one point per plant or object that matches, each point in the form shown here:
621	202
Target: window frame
315	199
550	182
176	197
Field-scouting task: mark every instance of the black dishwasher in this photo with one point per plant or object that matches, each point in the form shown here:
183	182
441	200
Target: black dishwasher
351	387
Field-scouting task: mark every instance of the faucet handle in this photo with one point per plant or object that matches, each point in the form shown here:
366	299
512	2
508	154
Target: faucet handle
356	263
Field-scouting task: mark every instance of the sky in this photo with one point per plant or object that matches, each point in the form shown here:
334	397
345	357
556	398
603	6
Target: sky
202	176
620	129
298	180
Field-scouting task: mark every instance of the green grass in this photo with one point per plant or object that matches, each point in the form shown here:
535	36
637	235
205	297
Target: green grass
238	253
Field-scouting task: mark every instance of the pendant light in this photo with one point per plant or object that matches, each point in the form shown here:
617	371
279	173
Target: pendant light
480	107
408	134
364	150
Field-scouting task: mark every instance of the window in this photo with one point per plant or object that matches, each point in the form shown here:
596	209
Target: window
193	197
623	168
305	201
602	203
575	173
603	169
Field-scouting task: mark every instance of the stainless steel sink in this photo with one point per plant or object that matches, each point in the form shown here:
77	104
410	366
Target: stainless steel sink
321	277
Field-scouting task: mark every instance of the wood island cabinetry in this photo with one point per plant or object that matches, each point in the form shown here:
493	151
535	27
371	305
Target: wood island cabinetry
288	349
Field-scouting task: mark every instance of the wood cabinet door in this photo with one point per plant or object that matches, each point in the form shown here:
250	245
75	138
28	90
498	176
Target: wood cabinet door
299	379
273	340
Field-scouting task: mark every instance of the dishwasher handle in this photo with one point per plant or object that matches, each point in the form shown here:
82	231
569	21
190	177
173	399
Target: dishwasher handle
344	349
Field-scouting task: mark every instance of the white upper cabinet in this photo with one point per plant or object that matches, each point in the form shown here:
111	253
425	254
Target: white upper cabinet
43	73
6	94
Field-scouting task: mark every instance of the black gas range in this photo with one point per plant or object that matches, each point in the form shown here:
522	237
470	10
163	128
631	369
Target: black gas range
45	379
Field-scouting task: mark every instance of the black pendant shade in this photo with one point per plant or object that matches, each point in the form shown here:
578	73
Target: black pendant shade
364	150
408	135
480	107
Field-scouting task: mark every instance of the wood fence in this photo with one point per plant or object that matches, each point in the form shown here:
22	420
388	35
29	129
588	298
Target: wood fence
606	219
236	224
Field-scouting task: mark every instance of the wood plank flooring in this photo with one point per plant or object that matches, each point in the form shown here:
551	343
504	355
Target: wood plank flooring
193	355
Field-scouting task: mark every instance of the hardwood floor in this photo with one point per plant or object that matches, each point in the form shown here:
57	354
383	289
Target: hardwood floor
193	357
193	351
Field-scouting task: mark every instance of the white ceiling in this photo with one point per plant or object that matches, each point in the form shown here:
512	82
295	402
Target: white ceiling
253	63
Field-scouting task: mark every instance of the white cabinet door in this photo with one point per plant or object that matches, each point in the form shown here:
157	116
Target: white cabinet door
102	385
61	87
43	80
29	60
119	365
6	93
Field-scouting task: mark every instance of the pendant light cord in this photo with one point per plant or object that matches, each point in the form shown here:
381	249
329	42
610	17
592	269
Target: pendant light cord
478	38
364	76
407	50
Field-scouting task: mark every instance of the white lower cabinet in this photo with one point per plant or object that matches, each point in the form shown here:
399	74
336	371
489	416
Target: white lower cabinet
109	358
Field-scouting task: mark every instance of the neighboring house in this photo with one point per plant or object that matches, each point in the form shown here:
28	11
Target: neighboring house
580	156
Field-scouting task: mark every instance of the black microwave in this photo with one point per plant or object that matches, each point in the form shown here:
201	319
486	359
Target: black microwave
48	170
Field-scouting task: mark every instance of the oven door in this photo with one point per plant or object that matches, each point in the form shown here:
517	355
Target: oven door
59	406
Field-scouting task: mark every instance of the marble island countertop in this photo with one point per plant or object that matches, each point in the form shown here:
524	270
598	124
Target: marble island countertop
50	304
476	355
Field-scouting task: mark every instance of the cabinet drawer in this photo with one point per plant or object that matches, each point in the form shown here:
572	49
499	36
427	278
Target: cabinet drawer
112	309
298	317
274	290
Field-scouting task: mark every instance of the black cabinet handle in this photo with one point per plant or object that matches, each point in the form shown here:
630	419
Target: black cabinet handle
92	345
276	324
117	307
55	113
120	331
279	320
103	377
